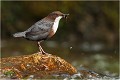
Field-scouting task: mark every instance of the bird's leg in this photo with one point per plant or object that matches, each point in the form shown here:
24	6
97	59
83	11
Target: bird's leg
41	50
39	47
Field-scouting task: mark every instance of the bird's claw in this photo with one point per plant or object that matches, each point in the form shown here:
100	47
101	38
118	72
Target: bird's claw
44	53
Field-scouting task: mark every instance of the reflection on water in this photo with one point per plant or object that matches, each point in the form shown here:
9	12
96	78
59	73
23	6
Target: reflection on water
102	62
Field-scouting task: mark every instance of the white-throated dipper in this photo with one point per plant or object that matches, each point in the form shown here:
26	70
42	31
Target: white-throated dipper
43	29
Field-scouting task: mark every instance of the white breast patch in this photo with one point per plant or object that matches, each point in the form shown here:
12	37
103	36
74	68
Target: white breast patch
56	22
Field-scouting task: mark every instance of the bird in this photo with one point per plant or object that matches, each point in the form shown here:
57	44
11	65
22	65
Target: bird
43	29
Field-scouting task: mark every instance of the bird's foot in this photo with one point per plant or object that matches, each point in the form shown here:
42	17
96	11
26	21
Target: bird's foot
40	52
44	53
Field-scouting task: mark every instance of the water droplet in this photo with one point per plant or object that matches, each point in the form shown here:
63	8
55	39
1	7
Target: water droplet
71	47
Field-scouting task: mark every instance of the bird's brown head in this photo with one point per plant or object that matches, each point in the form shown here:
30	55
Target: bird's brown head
56	14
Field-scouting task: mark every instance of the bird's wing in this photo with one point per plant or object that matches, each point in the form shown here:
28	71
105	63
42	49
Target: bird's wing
39	27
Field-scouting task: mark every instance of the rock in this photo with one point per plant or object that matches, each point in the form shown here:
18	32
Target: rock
34	65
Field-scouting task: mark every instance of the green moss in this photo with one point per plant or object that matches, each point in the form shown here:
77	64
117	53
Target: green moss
9	73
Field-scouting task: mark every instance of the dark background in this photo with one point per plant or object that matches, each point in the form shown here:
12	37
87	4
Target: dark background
89	37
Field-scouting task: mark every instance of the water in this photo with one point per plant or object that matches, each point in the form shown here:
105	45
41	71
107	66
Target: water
106	63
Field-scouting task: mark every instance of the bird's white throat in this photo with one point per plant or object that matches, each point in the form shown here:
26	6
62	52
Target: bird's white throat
56	22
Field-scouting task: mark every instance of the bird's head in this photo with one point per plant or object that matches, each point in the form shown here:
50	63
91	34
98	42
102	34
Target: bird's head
57	14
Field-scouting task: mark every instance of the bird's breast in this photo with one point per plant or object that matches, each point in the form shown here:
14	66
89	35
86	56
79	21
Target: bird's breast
55	26
56	23
51	33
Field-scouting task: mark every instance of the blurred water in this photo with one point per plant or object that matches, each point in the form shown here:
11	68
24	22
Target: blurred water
102	62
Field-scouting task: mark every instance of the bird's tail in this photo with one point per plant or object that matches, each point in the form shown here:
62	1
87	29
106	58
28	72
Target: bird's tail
19	34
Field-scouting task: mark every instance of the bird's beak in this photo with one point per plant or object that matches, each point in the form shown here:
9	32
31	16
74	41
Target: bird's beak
65	16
